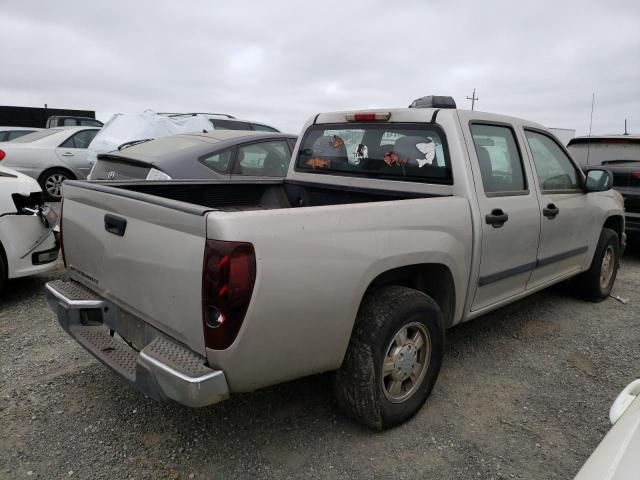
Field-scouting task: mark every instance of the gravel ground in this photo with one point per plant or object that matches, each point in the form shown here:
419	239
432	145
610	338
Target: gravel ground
524	393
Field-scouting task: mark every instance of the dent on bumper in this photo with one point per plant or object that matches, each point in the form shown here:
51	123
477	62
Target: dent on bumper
163	369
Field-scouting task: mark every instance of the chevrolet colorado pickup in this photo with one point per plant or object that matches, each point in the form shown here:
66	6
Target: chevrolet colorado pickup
391	226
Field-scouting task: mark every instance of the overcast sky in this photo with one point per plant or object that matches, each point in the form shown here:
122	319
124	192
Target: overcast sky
280	62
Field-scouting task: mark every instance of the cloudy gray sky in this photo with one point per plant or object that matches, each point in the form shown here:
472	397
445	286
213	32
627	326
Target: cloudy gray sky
281	61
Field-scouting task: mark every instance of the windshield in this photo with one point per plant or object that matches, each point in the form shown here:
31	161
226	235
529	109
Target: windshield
397	151
36	135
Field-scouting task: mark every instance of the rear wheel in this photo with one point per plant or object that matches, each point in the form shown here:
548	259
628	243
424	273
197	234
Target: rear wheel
393	359
51	183
596	283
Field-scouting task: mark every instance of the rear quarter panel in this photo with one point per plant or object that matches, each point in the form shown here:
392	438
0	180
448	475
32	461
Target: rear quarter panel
313	267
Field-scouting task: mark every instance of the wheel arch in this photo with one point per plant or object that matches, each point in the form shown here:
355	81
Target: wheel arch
433	279
615	223
57	167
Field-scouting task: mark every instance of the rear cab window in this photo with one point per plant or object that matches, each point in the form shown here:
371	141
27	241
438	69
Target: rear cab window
414	152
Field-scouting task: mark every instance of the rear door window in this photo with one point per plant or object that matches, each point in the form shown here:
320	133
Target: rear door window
395	151
81	139
269	159
499	158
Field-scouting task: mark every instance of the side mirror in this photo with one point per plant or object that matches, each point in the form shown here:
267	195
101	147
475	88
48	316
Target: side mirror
598	180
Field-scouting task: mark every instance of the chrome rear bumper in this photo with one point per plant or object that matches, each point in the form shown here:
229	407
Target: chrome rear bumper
162	369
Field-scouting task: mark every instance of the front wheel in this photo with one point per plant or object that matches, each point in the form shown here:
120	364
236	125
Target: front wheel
393	359
596	283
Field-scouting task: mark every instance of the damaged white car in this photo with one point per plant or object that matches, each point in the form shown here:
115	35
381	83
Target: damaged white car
28	242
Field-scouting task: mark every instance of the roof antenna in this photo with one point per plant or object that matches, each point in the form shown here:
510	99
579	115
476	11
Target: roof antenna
625	127
593	99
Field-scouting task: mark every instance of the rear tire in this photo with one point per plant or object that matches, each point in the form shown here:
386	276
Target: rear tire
51	183
393	359
596	283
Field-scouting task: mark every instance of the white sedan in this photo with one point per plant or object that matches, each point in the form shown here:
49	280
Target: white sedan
28	243
616	458
51	156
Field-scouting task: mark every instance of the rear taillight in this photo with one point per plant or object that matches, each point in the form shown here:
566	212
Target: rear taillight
2	155
635	174
228	276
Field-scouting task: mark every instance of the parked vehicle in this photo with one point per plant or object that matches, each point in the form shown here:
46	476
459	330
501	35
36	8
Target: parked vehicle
620	154
597	150
11	133
391	226
67	121
616	458
127	129
626	180
224	121
37	117
28	244
220	154
50	156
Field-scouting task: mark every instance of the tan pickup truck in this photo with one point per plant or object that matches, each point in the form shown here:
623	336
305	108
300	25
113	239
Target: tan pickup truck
391	226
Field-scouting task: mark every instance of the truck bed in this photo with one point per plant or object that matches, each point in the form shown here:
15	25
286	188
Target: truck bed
230	195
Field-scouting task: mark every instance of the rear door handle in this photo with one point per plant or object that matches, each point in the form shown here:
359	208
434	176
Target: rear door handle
114	224
551	211
496	218
67	154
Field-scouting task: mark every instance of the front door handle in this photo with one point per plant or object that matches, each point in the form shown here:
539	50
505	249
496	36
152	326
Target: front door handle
67	154
496	218
551	211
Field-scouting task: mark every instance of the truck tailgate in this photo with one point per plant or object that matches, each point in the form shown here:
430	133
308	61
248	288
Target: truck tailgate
151	265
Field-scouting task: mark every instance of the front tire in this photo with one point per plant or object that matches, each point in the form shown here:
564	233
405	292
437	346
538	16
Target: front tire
596	283
393	359
51	183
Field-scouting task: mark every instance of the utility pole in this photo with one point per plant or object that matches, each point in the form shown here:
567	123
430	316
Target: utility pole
473	99
625	127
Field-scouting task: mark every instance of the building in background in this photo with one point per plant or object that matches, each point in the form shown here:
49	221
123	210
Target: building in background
564	134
